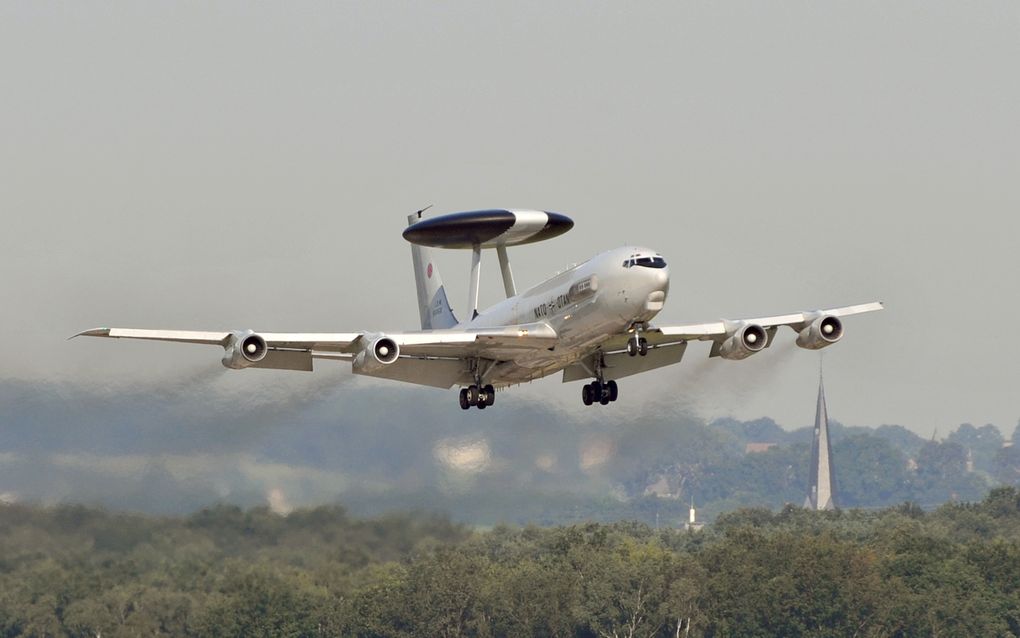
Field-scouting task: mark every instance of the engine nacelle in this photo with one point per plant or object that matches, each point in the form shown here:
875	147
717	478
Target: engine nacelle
743	342
823	331
243	350
380	352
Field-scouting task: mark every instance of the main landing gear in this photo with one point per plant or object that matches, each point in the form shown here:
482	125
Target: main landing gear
475	396
599	392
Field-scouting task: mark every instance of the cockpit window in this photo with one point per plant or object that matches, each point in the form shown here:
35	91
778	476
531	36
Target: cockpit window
647	262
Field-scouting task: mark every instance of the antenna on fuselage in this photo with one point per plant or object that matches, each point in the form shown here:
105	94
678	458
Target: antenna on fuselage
497	228
423	210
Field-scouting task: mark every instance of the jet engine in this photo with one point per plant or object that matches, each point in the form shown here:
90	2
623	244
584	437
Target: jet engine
743	342
243	350
823	331
380	351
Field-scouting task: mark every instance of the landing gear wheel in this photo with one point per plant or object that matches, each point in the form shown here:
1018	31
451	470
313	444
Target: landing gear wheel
605	397
464	402
643	347
490	395
632	348
585	395
596	390
481	405
472	393
614	391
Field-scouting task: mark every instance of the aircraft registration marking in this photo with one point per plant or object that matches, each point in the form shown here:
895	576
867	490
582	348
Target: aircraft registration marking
578	291
552	306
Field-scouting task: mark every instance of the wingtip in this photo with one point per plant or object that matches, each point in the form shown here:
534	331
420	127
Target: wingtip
93	332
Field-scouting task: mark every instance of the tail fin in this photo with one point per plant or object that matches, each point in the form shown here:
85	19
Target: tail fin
433	305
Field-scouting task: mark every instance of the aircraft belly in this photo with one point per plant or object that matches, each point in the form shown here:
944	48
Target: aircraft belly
587	332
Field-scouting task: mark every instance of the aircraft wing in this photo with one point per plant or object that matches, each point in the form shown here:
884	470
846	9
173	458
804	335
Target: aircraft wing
721	331
334	342
714	330
295	350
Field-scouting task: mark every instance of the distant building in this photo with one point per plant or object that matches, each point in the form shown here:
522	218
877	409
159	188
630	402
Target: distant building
752	448
821	495
693	524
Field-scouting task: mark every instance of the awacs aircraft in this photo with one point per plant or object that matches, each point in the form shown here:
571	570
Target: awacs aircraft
592	321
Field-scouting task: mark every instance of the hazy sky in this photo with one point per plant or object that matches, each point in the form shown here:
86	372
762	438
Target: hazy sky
250	165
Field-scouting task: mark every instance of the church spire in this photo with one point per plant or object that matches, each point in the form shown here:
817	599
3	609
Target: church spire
821	495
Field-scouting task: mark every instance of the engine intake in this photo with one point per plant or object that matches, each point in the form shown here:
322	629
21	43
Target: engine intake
823	331
385	350
243	350
743	342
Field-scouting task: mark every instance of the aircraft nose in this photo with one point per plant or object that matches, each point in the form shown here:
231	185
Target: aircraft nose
658	278
662	277
658	288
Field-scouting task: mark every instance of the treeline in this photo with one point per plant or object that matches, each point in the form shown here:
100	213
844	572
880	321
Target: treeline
873	467
75	571
709	463
172	452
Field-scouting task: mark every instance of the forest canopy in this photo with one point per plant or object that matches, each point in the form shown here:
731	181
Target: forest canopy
224	571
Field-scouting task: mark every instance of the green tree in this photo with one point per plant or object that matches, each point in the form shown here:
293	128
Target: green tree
982	443
942	475
869	471
636	588
447	593
1006	464
540	597
262	601
782	584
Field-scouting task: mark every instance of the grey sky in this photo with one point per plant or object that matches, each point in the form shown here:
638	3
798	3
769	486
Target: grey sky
241	165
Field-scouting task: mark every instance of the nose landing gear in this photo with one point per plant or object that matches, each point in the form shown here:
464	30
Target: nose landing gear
637	345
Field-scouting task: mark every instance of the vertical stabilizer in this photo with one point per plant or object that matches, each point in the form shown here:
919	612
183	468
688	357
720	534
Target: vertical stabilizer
433	306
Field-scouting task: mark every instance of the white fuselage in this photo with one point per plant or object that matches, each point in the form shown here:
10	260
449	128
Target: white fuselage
586	304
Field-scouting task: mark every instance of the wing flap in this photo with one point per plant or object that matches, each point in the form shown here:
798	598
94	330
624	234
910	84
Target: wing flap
436	373
318	341
620	364
286	360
